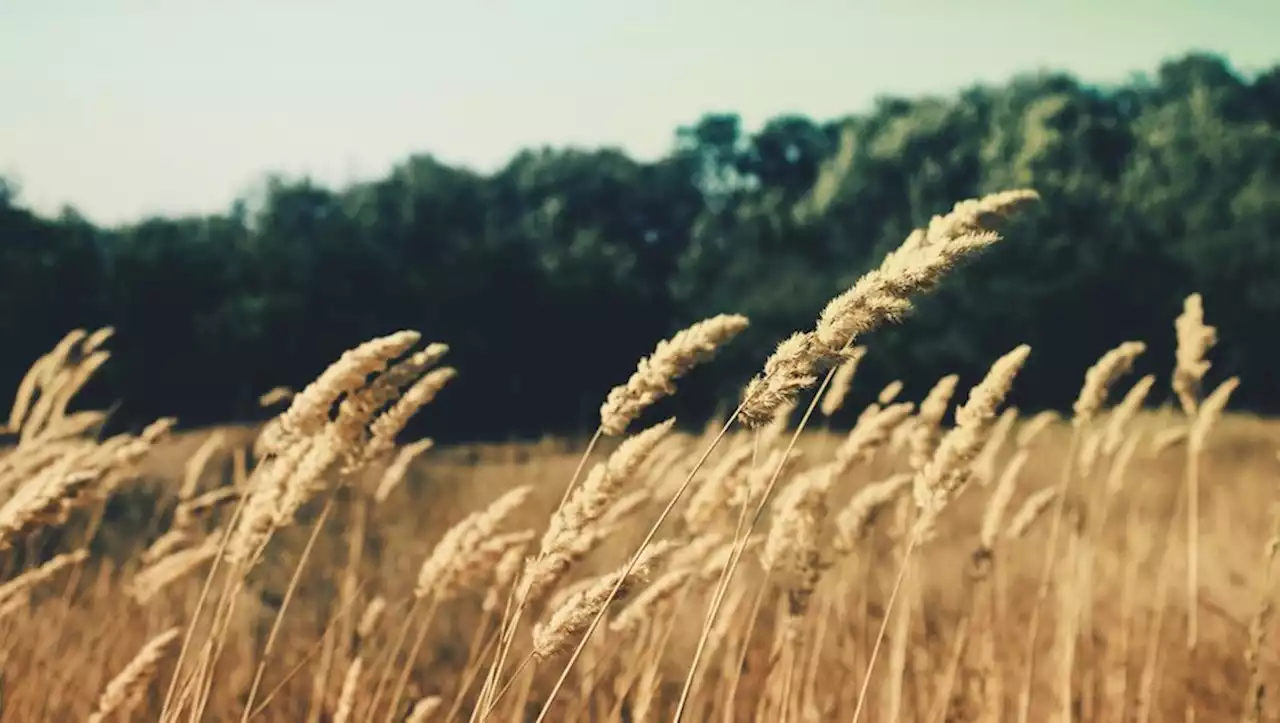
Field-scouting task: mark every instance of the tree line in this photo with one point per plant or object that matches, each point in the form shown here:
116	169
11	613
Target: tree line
550	277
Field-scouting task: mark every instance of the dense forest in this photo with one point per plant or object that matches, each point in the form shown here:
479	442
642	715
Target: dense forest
550	277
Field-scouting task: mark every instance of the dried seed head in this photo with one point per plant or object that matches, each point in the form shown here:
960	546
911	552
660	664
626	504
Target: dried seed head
926	430
504	573
883	294
880	296
630	620
369	619
720	558
347	697
1122	416
790	369
993	517
1034	427
781	422
572	617
655	375
151	580
22	584
1195	339
855	520
870	434
792	549
1209	413
387	427
44	501
1168	437
1124	456
461	552
758	478
1099	378
311	408
195	465
274	396
125	691
950	468
890	392
570	533
1030	511
984	467
424	709
396	471
695	552
841	382
709	501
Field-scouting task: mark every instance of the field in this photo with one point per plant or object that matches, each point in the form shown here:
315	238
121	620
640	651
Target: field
927	565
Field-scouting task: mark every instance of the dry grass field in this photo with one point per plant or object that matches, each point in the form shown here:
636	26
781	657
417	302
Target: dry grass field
945	560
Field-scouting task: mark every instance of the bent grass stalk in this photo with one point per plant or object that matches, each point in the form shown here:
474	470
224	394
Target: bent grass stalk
204	594
720	580
507	629
1046	573
884	624
316	527
482	697
489	640
626	571
671	359
394	655
226	606
343	613
218	629
748	630
413	654
740	546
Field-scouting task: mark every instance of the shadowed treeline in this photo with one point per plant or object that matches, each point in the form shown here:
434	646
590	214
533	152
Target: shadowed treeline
550	277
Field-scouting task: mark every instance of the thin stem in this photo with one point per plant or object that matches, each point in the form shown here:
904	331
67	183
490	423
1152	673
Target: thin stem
1193	550
884	625
582	464
311	653
401	637
722	588
223	609
1150	669
754	616
413	654
509	629
809	680
943	701
788	672
1046	573
490	674
284	605
339	648
213	648
487	640
1193	572
205	682
741	545
204	594
622	578
659	635
212	652
515	675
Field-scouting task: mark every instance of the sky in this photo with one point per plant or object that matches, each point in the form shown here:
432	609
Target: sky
127	108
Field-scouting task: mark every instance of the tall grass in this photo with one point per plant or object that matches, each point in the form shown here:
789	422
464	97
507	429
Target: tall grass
313	569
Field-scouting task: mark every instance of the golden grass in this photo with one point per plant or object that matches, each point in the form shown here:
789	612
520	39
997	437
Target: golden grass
922	566
60	652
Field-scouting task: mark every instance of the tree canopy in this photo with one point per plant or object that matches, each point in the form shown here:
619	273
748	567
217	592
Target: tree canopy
550	277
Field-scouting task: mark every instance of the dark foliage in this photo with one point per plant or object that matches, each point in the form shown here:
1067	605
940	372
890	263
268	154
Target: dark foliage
552	276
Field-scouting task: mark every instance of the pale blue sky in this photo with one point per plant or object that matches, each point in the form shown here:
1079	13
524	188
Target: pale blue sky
128	107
